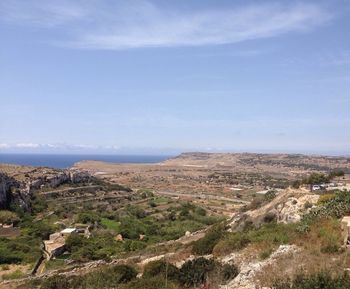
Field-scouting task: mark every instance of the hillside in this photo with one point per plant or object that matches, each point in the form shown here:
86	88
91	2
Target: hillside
229	221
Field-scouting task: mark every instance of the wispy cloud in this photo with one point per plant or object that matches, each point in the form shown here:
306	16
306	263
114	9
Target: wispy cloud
123	25
42	13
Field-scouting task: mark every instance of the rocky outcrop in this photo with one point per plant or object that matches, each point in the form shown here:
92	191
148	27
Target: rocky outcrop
292	210
288	207
5	190
246	279
17	188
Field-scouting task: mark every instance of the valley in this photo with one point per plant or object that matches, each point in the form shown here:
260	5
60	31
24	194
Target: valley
236	217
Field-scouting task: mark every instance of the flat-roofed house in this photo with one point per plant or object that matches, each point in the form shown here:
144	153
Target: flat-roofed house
56	245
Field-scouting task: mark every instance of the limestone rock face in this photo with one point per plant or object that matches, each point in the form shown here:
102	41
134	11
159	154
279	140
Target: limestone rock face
248	270
287	207
292	210
5	190
17	188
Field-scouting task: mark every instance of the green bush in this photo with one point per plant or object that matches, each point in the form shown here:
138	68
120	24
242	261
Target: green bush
229	272
8	217
269	196
88	218
99	246
231	242
23	249
195	272
207	243
337	206
41	229
161	268
265	253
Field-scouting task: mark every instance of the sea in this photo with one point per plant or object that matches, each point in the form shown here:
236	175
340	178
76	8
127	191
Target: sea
61	161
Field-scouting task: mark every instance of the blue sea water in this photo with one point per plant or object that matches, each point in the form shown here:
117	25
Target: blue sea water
64	161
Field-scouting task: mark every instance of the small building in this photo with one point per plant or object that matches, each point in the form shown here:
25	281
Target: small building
68	231
55	246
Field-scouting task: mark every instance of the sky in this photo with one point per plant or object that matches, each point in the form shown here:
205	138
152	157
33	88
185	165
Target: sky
99	76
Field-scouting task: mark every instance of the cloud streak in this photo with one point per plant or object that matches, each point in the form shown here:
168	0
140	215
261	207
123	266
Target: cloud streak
123	25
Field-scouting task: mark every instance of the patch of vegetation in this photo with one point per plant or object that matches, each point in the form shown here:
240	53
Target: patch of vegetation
207	243
110	224
269	235
161	268
107	186
318	178
22	249
14	275
8	217
99	246
336	206
320	280
269	196
109	277
157	275
198	271
265	253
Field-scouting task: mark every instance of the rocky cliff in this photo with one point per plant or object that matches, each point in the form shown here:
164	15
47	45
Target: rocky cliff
17	184
6	183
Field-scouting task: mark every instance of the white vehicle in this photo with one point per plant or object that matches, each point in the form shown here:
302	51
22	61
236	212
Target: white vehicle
316	188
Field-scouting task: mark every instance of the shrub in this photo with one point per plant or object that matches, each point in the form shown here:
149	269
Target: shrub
74	241
152	204
307	205
136	211
88	217
8	217
269	196
134	245
21	249
161	268
229	272
207	243
195	272
270	217
232	242
337	207
296	184
200	211
265	253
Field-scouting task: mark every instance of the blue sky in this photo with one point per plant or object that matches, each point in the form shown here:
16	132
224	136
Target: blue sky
171	76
